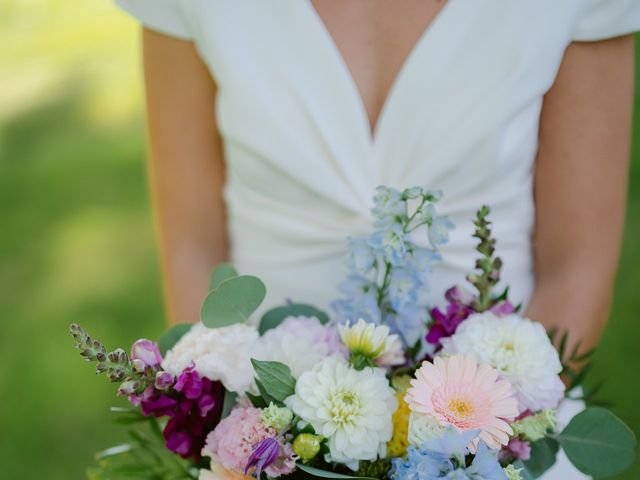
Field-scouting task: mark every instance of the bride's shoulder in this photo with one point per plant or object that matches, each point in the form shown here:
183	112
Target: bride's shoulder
165	16
601	19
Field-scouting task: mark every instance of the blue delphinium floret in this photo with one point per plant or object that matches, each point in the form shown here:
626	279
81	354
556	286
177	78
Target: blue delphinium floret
388	271
389	243
445	458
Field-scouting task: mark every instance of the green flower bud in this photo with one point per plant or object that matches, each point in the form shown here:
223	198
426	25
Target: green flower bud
535	427
276	417
512	472
307	446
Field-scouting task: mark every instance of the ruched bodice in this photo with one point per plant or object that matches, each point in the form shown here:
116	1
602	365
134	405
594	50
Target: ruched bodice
462	116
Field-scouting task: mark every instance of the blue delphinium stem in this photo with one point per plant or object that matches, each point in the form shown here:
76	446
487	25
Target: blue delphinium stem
388	269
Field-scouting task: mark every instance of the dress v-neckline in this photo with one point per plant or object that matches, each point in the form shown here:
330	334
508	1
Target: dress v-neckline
373	132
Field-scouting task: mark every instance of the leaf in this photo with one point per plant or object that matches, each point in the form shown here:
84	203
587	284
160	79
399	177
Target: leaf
233	301
275	316
229	402
264	395
316	472
276	379
169	338
222	272
256	401
543	456
598	443
117	450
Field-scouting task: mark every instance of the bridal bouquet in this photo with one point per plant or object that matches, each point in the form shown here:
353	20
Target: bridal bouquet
386	387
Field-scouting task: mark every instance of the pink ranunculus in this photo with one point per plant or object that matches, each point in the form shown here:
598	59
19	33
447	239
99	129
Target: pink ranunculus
147	351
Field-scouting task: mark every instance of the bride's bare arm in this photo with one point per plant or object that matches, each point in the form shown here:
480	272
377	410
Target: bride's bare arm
580	187
186	170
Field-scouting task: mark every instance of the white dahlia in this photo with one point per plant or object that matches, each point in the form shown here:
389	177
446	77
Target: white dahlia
372	342
519	349
352	409
222	354
300	343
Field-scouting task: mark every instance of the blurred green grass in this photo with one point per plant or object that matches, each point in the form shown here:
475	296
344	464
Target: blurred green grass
76	236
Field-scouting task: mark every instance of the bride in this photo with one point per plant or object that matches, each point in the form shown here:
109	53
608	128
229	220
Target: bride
272	121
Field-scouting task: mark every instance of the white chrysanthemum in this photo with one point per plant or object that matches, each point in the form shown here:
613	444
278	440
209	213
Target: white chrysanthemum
372	341
352	409
300	343
519	349
222	354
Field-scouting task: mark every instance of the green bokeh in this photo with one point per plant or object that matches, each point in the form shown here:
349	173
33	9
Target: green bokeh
76	236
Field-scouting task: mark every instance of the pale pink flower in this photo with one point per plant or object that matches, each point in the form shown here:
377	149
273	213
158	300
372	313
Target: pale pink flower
232	441
459	392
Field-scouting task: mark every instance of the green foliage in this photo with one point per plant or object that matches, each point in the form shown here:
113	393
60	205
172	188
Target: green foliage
232	301
275	316
222	272
229	402
598	443
543	457
145	456
169	338
488	267
316	472
274	380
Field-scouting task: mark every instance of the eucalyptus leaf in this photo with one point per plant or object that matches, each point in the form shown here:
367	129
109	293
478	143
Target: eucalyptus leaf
256	401
222	272
169	338
264	395
233	301
275	316
229	402
598	443
543	456
316	472
276	379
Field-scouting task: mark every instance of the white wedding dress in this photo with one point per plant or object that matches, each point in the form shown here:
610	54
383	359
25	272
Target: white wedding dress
462	117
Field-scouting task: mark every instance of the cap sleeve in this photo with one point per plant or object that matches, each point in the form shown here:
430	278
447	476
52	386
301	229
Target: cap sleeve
164	16
601	19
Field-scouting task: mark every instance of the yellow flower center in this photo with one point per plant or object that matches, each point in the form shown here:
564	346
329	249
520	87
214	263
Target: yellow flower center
345	406
461	408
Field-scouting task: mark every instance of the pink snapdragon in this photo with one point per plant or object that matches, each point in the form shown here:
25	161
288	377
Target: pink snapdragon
147	351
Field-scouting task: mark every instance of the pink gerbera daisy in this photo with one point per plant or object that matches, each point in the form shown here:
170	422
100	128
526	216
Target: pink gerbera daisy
458	391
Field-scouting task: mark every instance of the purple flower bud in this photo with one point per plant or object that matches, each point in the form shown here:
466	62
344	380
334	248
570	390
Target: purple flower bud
503	308
264	454
459	295
189	383
147	351
128	388
163	380
138	365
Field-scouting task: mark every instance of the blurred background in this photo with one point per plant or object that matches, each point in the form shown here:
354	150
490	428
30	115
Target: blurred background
76	235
